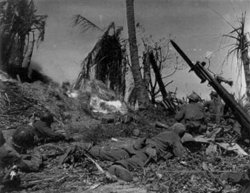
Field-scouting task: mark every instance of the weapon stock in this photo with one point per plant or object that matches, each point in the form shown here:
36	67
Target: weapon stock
241	116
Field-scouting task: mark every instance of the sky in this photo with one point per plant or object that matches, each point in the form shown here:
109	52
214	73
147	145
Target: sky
197	26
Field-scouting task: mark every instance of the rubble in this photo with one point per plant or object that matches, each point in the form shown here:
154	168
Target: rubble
101	106
213	166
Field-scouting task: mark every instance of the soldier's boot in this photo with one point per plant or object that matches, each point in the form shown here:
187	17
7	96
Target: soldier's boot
121	173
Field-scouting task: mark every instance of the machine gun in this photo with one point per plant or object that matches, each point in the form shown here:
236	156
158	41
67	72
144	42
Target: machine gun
199	69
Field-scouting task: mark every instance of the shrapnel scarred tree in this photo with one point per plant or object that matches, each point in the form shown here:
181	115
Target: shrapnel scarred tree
140	86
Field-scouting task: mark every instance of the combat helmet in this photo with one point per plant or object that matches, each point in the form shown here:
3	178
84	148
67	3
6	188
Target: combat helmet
24	137
179	129
194	97
47	118
213	94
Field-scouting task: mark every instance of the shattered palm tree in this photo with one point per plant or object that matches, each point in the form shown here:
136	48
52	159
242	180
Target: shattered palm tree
156	57
241	48
105	62
21	29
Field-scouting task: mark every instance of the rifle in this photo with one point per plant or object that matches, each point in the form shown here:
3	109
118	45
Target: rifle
199	69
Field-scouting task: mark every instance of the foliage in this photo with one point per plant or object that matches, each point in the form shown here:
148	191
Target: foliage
21	28
107	57
240	48
84	23
239	35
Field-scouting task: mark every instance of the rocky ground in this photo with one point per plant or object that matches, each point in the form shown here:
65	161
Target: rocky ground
200	171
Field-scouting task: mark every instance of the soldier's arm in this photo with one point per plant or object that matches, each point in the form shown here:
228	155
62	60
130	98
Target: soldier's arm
180	114
178	149
206	105
49	134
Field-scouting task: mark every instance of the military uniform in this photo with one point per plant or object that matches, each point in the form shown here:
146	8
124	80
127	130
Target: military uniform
45	134
27	136
214	108
27	163
163	146
192	115
10	157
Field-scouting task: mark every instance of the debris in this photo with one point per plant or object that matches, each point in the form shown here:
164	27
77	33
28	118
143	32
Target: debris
211	149
233	147
94	186
4	76
101	106
72	94
114	139
136	132
159	124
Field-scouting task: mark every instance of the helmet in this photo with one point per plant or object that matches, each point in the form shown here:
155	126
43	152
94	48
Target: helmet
24	137
179	129
213	93
187	137
2	140
47	117
194	97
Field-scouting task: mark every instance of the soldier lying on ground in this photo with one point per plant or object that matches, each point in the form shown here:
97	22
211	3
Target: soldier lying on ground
40	132
24	138
10	157
192	115
163	146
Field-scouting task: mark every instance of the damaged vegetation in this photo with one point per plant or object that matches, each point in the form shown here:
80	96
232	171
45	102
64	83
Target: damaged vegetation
21	28
201	155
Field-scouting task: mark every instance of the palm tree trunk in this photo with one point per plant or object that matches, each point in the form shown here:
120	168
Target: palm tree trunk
28	55
142	95
246	64
1	47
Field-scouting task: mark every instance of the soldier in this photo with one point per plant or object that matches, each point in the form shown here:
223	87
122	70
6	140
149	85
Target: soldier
214	108
192	115
28	136
10	157
163	146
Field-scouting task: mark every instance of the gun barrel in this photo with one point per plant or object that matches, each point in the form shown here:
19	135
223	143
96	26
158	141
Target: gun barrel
242	117
189	62
183	55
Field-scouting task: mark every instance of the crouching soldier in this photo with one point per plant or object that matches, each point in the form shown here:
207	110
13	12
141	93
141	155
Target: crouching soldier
40	132
192	115
214	108
162	146
11	161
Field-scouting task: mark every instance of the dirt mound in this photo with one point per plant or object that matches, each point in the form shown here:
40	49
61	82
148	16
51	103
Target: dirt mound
16	106
197	172
19	101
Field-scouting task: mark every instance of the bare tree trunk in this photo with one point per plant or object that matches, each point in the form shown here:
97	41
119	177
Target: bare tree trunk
142	95
157	75
146	69
28	54
246	64
1	47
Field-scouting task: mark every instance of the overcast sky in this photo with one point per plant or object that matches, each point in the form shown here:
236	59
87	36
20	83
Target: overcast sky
196	25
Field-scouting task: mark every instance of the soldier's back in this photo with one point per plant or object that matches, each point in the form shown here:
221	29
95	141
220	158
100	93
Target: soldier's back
194	111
